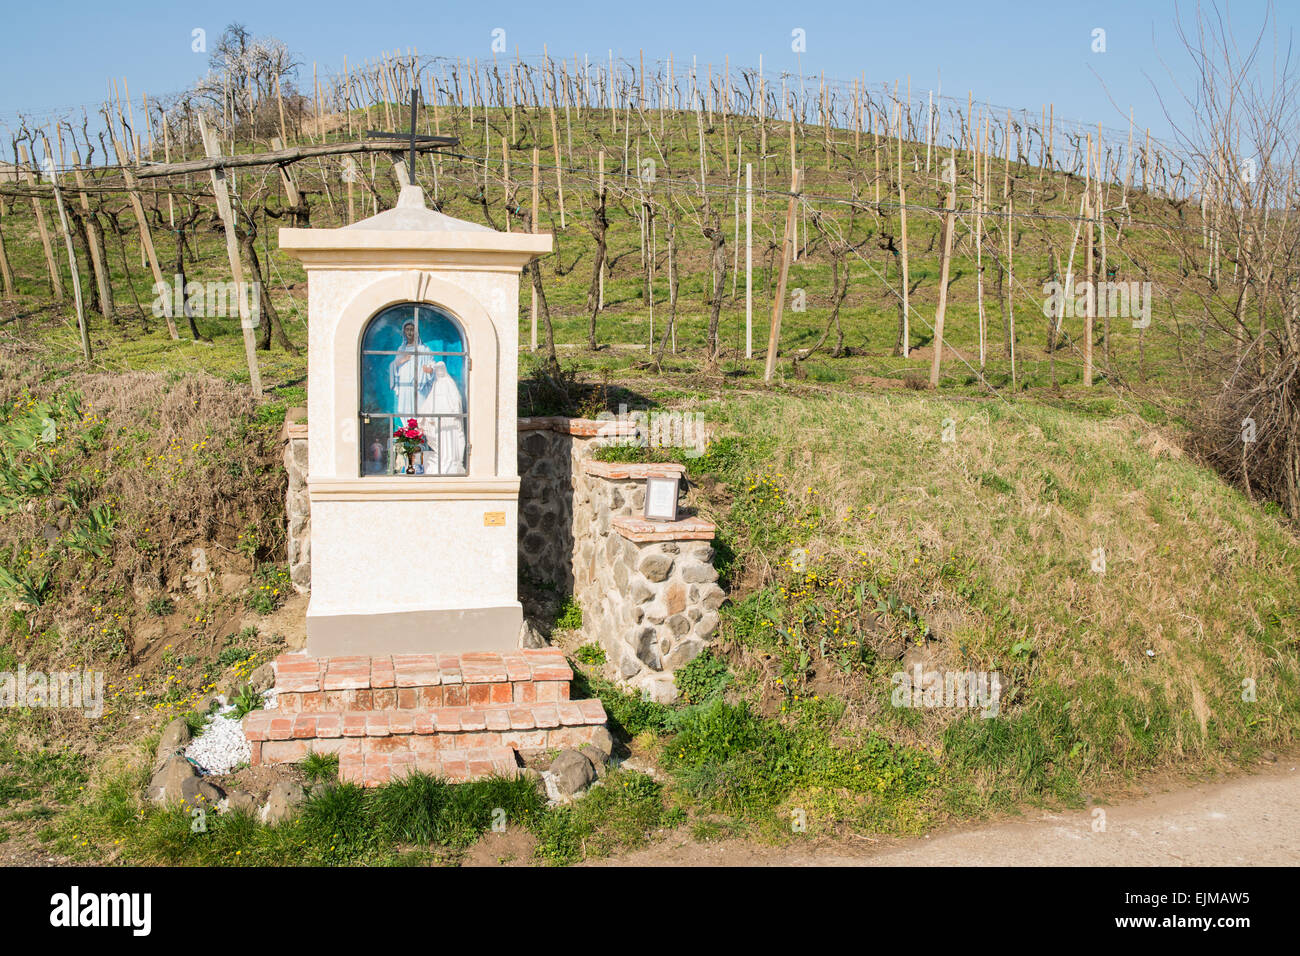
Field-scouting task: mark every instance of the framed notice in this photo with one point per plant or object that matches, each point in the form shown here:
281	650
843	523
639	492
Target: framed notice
661	499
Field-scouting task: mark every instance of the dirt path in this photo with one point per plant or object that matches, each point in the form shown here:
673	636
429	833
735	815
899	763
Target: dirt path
1246	821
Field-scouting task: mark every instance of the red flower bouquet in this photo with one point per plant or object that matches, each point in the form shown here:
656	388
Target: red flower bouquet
411	440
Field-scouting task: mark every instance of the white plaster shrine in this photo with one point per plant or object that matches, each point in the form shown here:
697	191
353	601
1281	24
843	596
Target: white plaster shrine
413	314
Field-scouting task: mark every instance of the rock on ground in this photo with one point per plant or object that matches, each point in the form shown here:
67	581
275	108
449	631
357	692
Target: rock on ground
572	772
283	802
177	781
530	637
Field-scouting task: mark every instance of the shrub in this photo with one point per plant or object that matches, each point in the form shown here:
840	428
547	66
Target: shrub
196	721
92	534
269	589
623	812
246	701
593	655
426	810
703	679
231	656
628	713
410	810
570	616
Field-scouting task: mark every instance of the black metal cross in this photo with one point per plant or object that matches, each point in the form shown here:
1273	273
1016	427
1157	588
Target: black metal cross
411	136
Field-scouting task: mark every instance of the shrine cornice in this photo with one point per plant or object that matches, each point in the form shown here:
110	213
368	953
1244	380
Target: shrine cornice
412	488
392	249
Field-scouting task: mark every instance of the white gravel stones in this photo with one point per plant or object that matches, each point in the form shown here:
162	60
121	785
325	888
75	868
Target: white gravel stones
221	746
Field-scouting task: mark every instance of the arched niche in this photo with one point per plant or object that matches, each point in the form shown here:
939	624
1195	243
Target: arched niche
482	345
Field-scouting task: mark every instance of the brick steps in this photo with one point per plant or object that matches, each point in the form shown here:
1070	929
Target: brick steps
457	766
451	741
415	681
457	716
263	725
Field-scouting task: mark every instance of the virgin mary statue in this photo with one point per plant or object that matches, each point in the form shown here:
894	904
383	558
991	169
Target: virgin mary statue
440	396
402	376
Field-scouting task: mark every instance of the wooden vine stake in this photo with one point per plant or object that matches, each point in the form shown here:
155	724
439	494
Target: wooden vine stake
6	273
778	302
536	204
146	239
284	135
56	282
72	261
949	227
555	143
350	177
794	164
979	240
1011	314
286	178
604	263
227	214
1103	277
902	218
1090	302
98	257
1006	197
749	260
505	176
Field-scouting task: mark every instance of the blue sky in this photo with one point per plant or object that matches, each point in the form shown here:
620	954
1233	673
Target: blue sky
57	55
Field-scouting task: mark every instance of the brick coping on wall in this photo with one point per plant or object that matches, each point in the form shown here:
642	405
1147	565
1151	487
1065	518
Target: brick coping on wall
632	471
295	424
690	528
580	427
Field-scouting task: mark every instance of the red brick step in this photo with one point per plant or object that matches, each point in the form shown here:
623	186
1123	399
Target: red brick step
420	681
458	716
374	769
434	740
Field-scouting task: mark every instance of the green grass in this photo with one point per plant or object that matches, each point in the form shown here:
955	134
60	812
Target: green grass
626	812
848	524
415	820
320	767
55	775
735	762
37	784
851	524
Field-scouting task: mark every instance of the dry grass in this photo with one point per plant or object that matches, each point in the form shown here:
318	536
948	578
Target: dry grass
147	468
994	537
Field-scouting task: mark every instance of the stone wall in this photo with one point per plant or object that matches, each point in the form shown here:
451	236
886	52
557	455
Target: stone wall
547	483
648	590
297	504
